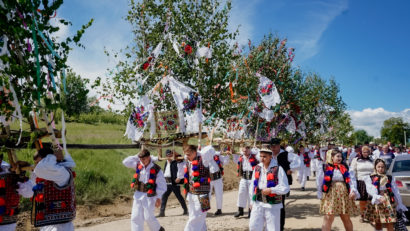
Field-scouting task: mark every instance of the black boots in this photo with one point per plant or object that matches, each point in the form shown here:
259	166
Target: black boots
239	213
161	229
161	214
249	213
218	212
185	212
303	188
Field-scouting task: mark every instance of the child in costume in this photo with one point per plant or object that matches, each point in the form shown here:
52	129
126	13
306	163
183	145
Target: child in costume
386	197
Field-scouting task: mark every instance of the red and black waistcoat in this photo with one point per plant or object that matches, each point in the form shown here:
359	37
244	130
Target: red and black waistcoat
306	159
272	181
252	160
328	176
151	186
199	181
53	204
219	163
9	198
376	183
317	156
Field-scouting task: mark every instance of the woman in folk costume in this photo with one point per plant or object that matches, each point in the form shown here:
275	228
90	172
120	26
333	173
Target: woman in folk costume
304	170
337	191
149	184
197	185
246	162
386	197
361	167
12	186
269	184
54	194
217	171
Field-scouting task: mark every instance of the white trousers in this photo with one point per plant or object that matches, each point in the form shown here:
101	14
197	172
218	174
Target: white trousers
143	210
218	186
9	227
244	197
197	218
59	227
261	216
303	173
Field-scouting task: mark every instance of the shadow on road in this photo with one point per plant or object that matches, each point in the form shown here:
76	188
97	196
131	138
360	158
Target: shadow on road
302	211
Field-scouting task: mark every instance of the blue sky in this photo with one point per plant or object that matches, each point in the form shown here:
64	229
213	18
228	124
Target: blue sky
362	44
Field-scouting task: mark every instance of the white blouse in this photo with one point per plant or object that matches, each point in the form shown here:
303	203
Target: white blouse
361	168
372	190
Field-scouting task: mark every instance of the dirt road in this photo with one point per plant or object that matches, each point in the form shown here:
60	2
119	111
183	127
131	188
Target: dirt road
302	213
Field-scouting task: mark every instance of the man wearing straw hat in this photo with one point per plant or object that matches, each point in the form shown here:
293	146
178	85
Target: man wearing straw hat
246	162
149	184
270	183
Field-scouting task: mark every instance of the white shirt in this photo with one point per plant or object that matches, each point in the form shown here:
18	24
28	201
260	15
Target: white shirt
213	166
293	159
131	162
246	164
302	158
49	169
167	172
372	190
280	189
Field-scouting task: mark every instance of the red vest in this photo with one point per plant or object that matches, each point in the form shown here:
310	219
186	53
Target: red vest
53	204
9	198
151	186
252	160
199	182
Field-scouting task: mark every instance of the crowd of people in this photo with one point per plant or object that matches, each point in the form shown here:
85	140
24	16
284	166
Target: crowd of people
350	182
343	177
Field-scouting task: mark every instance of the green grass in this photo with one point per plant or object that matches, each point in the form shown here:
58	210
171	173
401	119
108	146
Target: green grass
101	177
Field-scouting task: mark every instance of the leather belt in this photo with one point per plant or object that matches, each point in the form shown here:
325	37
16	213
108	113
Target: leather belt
216	175
247	175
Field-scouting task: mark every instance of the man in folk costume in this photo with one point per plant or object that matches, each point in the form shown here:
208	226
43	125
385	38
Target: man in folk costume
197	185
149	185
54	205
304	170
174	176
246	162
289	163
217	171
12	186
270	184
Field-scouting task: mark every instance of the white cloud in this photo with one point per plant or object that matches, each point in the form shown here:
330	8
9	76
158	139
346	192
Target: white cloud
63	31
241	15
317	18
371	120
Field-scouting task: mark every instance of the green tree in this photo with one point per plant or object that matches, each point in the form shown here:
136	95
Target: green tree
393	130
32	61
182	27
360	137
76	99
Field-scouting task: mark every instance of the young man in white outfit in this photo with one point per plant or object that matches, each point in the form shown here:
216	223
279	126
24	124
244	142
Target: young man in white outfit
197	185
246	162
304	170
270	183
149	184
216	170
